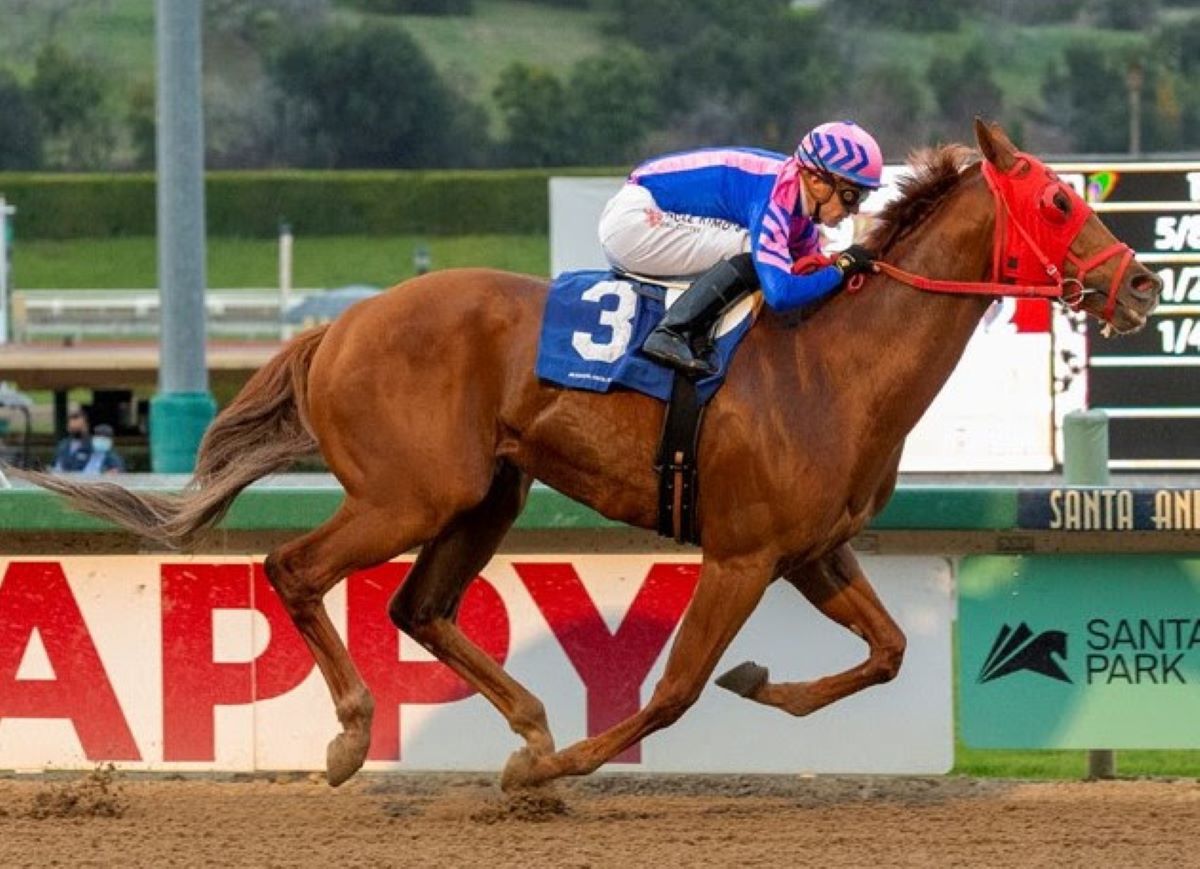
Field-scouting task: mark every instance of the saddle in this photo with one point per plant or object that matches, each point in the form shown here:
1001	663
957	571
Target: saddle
593	325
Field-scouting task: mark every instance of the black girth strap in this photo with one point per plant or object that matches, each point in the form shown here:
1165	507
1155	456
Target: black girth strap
676	463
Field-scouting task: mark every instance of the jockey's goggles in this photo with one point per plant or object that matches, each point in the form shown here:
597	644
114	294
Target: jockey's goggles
850	196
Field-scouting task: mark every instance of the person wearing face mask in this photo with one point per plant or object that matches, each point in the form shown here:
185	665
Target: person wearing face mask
103	460
740	219
72	453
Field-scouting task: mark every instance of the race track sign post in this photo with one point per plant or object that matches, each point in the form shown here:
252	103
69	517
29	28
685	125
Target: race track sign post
7	212
1076	651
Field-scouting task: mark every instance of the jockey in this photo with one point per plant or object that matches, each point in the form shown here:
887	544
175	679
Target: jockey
739	218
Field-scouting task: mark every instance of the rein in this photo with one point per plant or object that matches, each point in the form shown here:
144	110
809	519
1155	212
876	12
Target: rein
1006	264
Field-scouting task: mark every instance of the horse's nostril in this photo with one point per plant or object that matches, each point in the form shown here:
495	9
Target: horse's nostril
1147	284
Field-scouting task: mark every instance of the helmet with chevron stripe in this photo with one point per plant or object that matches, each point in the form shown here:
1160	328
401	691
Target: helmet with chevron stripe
844	149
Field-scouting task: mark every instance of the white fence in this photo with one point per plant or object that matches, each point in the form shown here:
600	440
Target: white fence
106	314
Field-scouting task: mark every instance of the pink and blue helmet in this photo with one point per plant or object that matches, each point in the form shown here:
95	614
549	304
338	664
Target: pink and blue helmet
845	149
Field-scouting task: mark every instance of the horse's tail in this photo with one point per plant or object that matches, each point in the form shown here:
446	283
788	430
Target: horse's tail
262	431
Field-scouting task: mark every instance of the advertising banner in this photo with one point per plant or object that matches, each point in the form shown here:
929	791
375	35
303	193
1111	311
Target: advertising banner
1109	508
1079	651
191	663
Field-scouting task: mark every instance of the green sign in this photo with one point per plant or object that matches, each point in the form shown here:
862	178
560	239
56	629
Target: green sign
1079	651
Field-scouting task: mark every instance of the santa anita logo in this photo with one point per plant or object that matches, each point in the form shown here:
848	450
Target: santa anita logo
1020	649
1116	651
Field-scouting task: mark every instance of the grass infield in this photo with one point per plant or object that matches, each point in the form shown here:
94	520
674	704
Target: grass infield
318	261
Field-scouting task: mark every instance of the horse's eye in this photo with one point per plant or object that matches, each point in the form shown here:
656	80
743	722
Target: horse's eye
1055	204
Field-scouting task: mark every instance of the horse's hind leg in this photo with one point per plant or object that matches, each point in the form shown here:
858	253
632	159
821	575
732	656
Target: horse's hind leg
425	606
837	586
302	571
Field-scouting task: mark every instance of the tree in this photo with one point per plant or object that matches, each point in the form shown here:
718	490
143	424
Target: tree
49	18
600	117
1037	11
888	100
258	21
1179	52
963	87
141	124
789	72
1125	14
369	97
533	104
1088	97
916	15
21	141
612	106
414	7
71	97
666	25
242	124
762	66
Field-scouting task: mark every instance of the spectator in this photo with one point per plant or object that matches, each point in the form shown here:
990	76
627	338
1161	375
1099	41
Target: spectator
104	459
73	451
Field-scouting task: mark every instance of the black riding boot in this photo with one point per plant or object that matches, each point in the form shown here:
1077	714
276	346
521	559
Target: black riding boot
682	340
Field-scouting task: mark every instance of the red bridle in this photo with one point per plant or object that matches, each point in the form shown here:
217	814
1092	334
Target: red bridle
1032	242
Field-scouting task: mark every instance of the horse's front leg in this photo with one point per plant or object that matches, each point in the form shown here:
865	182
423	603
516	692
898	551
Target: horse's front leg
837	586
725	596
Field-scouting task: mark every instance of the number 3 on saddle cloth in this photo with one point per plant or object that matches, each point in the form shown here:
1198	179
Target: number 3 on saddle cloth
594	324
596	321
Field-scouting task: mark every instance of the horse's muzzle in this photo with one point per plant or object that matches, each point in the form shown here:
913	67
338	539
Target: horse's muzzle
1135	302
1146	286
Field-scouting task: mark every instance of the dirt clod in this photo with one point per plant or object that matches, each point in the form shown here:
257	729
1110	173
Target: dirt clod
534	805
99	794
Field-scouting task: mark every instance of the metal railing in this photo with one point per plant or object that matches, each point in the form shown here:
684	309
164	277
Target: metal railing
77	315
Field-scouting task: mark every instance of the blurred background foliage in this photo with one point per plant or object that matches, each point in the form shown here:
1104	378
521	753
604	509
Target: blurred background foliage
533	83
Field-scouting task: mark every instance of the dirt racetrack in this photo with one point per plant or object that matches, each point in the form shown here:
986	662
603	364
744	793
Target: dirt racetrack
614	820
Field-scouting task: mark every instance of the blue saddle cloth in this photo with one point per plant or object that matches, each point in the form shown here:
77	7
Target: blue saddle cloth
595	323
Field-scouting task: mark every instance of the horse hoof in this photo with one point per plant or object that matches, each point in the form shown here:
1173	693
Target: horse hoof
522	771
745	679
344	757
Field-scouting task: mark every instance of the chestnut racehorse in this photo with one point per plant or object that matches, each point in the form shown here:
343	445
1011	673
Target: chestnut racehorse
424	403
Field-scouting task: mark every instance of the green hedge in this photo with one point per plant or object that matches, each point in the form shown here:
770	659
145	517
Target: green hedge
252	204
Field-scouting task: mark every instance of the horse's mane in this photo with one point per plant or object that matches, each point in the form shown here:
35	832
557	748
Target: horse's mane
935	172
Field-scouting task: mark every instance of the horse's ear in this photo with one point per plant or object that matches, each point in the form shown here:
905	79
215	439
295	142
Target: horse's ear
997	148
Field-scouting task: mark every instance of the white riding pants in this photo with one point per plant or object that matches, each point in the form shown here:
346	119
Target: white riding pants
639	237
